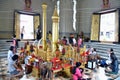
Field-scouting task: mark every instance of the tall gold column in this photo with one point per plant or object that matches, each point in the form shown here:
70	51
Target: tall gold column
55	32
44	7
95	27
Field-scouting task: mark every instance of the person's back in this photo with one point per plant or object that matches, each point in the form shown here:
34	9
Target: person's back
113	57
77	74
10	53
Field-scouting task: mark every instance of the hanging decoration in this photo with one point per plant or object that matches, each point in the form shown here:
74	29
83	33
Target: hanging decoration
28	5
106	4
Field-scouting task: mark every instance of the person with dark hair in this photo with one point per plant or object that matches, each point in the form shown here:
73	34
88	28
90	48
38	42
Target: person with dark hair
11	48
38	33
114	62
77	74
15	69
71	39
15	57
64	40
10	54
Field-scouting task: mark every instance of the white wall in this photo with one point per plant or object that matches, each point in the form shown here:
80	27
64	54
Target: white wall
66	19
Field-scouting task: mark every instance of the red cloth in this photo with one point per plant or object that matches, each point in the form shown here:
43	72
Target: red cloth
55	60
61	67
40	46
87	52
33	56
56	63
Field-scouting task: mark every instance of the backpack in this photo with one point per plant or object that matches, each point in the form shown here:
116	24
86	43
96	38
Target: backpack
73	70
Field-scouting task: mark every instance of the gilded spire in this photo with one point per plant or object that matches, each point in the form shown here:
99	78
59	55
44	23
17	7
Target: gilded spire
55	14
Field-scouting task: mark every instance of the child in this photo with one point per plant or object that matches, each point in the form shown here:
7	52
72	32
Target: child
76	74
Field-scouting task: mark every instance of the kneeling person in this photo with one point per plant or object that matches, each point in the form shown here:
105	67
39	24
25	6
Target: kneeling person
15	70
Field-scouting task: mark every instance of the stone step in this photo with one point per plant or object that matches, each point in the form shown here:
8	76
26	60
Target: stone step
102	48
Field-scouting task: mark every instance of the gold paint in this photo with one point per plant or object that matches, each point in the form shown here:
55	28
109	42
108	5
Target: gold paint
48	56
17	25
55	32
44	7
95	27
36	24
117	26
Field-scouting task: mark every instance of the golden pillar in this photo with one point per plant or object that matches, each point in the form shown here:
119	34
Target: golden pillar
95	27
44	7
55	32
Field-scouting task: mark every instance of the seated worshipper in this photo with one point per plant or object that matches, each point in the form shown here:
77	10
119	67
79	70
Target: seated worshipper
14	69
114	62
22	55
10	54
27	46
93	54
76	72
31	48
28	64
43	69
64	40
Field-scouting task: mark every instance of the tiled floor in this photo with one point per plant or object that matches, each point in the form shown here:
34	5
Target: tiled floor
3	71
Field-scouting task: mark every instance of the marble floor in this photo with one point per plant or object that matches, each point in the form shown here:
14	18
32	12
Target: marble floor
4	75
